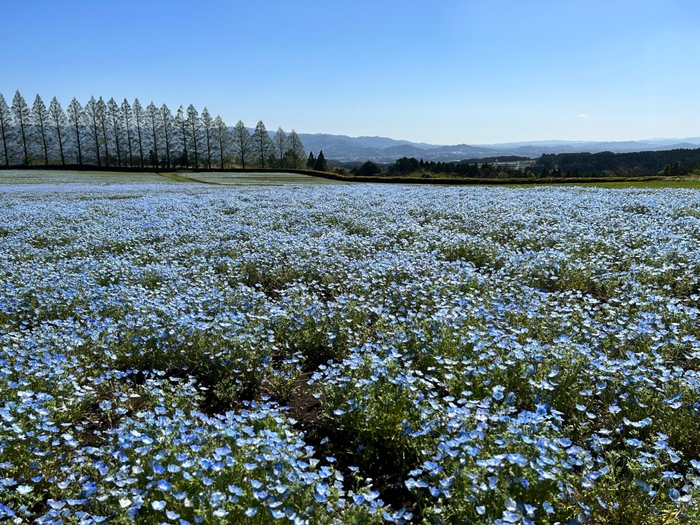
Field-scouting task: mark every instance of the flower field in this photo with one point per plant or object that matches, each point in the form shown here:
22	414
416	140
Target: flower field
349	354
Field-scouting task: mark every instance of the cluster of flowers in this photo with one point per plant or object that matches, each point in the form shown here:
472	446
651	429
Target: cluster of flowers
511	355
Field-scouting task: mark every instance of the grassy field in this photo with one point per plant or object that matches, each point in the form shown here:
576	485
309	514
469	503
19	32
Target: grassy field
256	179
104	178
691	183
214	178
58	177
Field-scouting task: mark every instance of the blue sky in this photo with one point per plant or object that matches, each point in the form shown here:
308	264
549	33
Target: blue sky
440	71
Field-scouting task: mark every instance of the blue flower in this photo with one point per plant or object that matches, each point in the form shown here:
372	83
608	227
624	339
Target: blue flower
164	486
673	494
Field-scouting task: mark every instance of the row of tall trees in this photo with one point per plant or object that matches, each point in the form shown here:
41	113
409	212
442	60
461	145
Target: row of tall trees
130	135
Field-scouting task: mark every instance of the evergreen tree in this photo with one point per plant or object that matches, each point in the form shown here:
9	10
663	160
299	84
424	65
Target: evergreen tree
311	161
5	128
168	127
152	125
138	127
194	127
58	124
127	116
368	169
76	117
262	145
115	125
208	134
181	127
20	111
242	144
103	123
321	163
152	158
295	154
222	136
91	117
40	122
280	142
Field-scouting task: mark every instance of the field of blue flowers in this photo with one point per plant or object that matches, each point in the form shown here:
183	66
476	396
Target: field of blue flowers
349	354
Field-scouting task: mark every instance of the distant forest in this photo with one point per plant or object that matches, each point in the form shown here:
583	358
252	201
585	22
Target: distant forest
643	163
107	133
676	162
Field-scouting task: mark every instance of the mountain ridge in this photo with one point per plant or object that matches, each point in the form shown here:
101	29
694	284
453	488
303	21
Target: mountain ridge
344	148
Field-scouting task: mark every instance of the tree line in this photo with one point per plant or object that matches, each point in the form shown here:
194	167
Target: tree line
677	162
472	169
126	134
674	162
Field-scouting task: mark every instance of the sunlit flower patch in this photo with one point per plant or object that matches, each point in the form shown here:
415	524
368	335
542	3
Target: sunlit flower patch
349	354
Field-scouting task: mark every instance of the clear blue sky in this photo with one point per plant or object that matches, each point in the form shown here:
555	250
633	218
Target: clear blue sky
440	71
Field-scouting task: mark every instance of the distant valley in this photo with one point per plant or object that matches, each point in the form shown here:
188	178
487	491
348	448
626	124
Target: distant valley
381	149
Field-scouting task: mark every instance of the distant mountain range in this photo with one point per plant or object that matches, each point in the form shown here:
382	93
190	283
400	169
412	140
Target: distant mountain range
381	149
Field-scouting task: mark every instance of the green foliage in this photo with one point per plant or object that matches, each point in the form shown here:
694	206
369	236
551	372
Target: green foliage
676	162
321	164
368	169
262	148
404	166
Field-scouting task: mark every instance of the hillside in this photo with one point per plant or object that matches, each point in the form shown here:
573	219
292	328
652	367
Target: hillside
384	150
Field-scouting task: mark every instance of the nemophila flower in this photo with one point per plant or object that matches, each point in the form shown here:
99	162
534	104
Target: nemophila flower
164	486
420	303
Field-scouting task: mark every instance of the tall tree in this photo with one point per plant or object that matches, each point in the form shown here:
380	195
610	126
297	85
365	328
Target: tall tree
321	162
152	123
182	135
208	132
20	111
311	161
280	141
262	144
40	123
138	127
222	138
127	116
5	128
242	144
58	124
168	127
115	125
194	126
76	118
91	116
103	122
295	154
